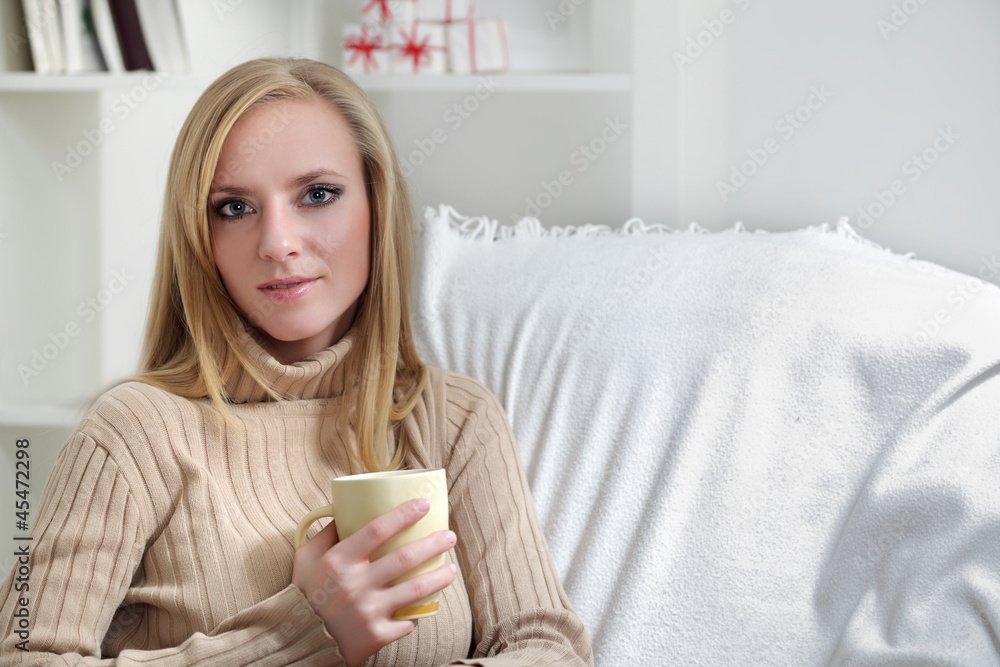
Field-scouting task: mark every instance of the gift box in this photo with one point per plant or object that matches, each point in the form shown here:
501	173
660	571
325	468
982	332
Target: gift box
385	12
419	48
366	49
445	10
478	45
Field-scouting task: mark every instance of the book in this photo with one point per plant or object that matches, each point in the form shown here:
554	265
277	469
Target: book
15	52
83	54
161	27
134	52
52	27
104	26
34	22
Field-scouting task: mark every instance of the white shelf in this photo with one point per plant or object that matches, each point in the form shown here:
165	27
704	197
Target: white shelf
520	83
40	416
509	82
60	83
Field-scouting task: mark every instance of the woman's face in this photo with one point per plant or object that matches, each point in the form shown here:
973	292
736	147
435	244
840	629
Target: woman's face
290	224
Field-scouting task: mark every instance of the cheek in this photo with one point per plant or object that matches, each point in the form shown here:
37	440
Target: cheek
348	246
362	249
227	253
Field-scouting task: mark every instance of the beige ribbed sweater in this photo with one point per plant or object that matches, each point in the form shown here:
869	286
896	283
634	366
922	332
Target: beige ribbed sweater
165	536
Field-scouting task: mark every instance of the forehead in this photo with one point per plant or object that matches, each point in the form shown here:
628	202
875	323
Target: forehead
292	133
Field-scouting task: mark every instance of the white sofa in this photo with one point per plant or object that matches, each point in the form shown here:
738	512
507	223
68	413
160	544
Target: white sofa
744	448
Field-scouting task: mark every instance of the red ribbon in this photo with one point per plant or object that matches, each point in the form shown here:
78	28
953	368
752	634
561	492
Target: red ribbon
420	51
472	46
470	10
383	7
364	46
473	66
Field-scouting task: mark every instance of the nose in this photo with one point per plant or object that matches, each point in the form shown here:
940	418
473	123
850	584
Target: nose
279	235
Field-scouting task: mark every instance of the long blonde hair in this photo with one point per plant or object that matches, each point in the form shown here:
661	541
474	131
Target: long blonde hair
191	346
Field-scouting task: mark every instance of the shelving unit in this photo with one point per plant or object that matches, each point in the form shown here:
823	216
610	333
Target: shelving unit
26	82
82	203
511	83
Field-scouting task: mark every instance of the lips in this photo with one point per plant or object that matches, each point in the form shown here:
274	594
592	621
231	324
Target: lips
287	289
286	281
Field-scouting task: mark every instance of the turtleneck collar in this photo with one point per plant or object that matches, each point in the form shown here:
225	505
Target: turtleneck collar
320	375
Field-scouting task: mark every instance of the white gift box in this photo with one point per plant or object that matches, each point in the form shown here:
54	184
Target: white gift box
385	12
445	10
478	45
366	49
419	48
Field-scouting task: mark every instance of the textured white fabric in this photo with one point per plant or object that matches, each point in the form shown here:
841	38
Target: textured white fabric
745	448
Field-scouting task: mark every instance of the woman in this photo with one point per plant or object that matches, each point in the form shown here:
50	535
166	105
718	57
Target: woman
278	355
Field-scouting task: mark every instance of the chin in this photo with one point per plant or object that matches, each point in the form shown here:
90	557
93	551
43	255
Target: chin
285	336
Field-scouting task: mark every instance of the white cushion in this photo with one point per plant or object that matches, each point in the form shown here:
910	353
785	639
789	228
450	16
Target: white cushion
744	448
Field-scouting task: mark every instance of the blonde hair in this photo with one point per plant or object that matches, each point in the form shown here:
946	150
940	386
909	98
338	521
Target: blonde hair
191	346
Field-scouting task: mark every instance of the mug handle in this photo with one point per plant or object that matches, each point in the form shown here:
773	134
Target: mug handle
307	521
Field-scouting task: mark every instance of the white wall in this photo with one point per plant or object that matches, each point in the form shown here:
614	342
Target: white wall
892	91
688	126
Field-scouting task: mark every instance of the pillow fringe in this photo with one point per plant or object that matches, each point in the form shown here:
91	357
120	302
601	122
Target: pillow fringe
482	228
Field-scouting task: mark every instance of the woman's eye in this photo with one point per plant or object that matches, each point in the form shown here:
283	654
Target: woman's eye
322	195
234	208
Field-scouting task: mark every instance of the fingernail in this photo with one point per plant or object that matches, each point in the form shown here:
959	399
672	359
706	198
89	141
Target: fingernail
451	538
422	505
452	567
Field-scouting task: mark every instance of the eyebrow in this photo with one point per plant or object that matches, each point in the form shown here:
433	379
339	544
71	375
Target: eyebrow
298	182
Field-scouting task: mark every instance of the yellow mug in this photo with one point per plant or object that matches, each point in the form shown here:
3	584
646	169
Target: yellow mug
358	499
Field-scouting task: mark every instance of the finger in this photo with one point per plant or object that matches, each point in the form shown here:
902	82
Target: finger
397	629
414	554
321	542
367	540
410	591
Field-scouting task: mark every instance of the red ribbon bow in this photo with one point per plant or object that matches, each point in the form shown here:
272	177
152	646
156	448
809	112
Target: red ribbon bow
364	46
383	7
419	51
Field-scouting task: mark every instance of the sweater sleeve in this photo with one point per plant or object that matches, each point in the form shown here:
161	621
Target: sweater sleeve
88	546
521	613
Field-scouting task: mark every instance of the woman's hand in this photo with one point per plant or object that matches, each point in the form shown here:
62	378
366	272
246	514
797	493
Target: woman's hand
353	595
